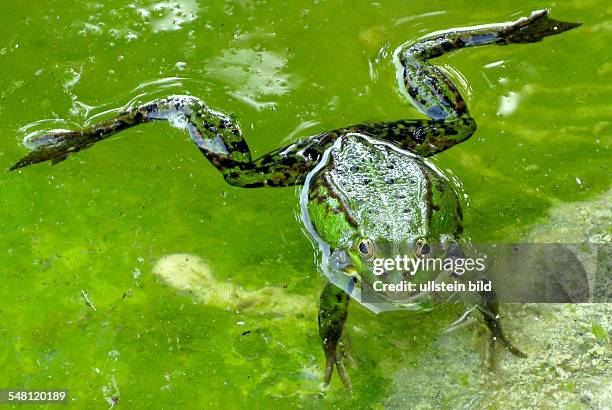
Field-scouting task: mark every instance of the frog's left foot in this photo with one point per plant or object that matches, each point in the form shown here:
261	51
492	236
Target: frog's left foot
534	28
490	313
53	146
333	311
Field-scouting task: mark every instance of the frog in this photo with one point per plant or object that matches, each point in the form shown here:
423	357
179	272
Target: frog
369	190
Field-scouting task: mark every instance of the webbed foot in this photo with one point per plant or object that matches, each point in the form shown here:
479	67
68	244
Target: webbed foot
54	146
534	28
336	357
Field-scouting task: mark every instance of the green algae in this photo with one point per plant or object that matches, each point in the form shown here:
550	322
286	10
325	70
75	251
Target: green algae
101	221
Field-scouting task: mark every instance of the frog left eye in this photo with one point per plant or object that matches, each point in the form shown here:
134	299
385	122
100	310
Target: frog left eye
422	248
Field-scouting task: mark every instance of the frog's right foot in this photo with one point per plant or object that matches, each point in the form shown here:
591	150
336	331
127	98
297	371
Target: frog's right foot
534	28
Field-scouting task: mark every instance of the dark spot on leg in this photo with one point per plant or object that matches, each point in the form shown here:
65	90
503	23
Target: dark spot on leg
419	135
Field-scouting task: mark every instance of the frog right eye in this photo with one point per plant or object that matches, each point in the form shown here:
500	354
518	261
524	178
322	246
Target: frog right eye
422	248
366	249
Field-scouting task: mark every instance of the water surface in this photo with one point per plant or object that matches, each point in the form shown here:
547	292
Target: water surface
241	331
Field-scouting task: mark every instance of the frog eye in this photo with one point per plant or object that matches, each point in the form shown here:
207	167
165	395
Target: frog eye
366	248
422	248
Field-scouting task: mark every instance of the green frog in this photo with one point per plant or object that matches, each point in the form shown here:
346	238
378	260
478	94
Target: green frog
368	190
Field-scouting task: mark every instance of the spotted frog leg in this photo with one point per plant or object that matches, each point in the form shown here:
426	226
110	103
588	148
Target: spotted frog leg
220	139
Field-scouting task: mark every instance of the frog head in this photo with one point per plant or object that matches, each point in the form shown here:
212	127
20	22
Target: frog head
376	232
373	260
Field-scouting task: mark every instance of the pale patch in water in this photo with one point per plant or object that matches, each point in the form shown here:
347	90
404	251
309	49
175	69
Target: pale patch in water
191	273
72	77
508	104
251	73
170	16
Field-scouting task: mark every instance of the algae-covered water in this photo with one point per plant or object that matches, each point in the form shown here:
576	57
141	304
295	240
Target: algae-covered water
133	276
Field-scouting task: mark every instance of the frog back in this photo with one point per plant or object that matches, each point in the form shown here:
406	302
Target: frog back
379	190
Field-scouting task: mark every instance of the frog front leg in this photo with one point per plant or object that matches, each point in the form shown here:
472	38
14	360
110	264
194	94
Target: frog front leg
333	310
433	92
215	134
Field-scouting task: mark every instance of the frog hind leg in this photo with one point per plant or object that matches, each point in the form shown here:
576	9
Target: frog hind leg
433	93
216	135
491	317
220	139
333	310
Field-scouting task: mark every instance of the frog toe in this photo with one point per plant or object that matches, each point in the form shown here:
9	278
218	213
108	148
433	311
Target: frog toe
346	381
495	343
335	360
511	348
